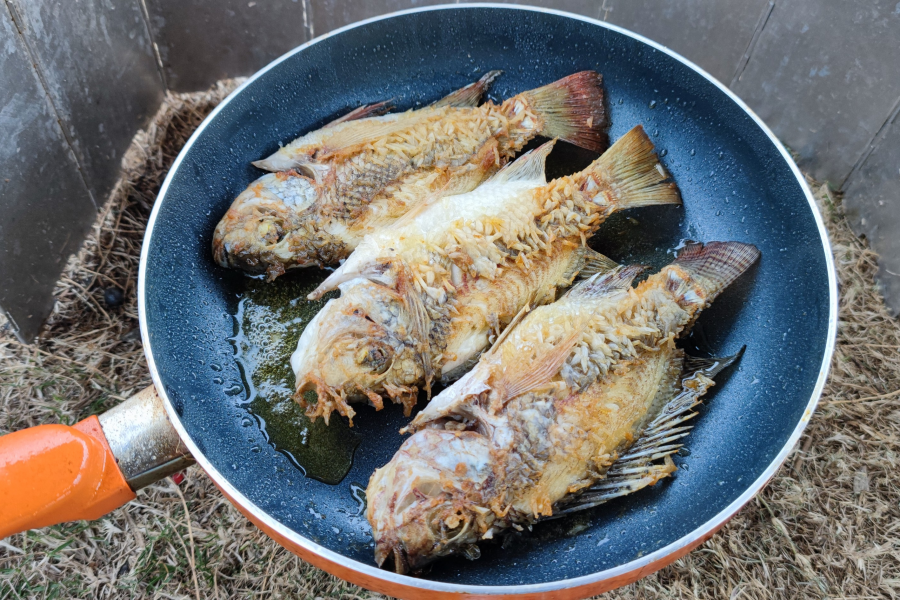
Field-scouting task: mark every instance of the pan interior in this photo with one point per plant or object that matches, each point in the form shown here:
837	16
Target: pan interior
735	184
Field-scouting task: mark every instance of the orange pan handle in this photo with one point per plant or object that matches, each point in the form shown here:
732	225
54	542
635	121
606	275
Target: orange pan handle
55	473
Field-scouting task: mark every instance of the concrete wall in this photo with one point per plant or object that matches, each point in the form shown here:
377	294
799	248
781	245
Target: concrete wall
77	79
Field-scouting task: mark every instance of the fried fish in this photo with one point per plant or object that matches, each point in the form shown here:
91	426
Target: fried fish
576	404
357	176
422	299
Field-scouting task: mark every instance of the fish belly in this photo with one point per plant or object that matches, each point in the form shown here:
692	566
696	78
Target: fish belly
593	427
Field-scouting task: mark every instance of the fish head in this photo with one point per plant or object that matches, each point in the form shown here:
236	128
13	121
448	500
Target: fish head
426	502
264	232
359	345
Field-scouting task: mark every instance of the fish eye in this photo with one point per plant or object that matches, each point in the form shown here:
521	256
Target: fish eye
376	358
271	230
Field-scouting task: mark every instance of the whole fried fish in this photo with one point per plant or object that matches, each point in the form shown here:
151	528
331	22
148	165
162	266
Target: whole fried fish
422	299
546	415
339	183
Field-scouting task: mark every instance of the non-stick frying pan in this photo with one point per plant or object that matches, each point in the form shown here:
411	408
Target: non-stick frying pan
737	181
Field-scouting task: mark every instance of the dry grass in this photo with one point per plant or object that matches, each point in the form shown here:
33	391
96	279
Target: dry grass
825	527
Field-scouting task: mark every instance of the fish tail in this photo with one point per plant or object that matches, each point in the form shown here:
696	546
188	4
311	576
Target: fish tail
572	109
629	175
470	95
715	265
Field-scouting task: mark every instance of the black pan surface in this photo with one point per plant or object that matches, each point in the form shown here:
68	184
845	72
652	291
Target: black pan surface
736	184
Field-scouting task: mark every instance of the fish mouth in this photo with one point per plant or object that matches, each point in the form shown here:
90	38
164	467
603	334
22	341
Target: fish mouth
392	556
258	261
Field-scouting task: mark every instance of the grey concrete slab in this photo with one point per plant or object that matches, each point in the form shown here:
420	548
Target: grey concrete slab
872	203
824	75
713	34
45	204
97	63
202	42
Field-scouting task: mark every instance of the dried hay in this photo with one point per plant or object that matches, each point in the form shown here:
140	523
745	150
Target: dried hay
825	527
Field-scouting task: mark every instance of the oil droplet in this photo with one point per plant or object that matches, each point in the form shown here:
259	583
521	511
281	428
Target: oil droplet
693	152
653	104
215	367
246	422
234	390
663	152
218	380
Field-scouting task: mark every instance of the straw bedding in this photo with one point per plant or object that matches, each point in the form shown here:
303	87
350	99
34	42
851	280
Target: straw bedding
827	525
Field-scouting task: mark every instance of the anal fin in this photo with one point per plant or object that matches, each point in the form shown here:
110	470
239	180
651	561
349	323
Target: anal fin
650	458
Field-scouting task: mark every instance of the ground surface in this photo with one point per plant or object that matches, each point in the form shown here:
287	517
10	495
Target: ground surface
827	525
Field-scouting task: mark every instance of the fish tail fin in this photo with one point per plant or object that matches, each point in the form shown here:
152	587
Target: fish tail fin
640	467
470	95
715	265
629	175
572	109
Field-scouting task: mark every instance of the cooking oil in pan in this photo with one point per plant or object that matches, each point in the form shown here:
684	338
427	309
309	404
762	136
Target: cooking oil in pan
270	319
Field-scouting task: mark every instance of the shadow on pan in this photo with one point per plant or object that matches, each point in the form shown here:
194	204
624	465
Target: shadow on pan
736	185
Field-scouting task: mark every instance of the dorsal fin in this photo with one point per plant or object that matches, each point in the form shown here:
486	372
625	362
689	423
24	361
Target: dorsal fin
528	167
602	283
362	112
470	95
370	131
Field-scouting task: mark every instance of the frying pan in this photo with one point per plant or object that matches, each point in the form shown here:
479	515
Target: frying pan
737	181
